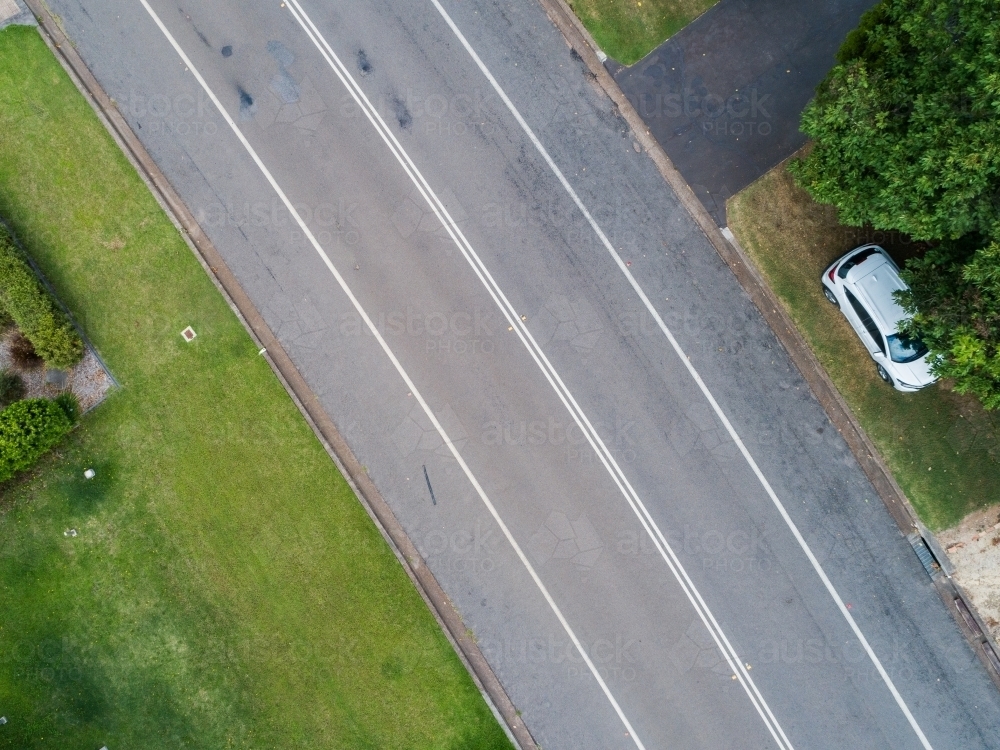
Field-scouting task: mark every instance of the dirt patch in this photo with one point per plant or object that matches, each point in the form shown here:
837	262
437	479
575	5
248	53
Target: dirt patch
974	547
89	381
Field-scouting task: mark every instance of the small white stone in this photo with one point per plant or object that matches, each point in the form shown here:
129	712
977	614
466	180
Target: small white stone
89	474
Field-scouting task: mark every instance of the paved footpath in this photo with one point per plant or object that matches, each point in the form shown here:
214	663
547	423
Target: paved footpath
723	96
500	370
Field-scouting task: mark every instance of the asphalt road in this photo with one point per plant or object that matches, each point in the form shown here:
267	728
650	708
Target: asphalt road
473	421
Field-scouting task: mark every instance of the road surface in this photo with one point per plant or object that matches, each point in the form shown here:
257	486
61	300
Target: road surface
580	419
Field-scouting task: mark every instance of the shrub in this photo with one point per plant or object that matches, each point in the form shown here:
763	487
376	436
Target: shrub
28	429
36	314
23	352
70	405
11	388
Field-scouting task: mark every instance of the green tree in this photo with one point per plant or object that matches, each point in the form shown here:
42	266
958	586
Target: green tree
954	298
906	128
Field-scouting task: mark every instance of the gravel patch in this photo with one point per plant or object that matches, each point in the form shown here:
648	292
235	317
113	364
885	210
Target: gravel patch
974	547
89	380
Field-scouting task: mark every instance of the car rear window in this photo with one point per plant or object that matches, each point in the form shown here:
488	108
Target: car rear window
854	260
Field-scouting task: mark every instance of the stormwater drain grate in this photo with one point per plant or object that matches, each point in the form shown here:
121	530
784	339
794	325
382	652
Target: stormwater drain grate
924	554
188	334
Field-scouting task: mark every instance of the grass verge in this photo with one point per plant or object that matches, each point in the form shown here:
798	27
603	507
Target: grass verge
942	448
225	589
628	30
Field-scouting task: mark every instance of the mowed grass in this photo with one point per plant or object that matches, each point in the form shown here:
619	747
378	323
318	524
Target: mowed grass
226	589
942	448
628	30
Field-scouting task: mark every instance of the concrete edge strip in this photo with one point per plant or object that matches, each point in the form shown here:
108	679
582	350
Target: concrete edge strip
780	322
445	613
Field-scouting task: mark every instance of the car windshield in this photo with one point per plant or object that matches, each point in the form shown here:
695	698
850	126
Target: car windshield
903	349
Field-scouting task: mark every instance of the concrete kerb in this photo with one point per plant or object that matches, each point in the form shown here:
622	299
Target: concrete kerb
445	613
766	301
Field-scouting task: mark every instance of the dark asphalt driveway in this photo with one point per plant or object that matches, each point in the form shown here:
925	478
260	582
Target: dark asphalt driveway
723	96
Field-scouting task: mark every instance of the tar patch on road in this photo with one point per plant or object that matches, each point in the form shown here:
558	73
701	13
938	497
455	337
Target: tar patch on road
247	107
403	116
364	64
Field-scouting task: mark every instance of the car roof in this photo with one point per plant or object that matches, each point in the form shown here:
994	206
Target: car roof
875	280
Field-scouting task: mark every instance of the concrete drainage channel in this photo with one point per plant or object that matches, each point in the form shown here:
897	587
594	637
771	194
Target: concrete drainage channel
933	557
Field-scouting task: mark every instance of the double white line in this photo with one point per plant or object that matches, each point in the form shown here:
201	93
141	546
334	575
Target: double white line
562	391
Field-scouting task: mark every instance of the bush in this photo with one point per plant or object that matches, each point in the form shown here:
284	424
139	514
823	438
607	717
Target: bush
28	429
11	388
23	352
36	314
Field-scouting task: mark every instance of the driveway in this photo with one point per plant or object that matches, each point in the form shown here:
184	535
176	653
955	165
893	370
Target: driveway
723	96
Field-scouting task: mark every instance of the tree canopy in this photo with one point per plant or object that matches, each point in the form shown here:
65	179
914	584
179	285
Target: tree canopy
906	128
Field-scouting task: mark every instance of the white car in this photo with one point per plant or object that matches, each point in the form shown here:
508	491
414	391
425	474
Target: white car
861	284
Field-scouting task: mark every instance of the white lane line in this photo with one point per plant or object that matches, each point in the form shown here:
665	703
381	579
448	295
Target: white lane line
411	386
610	464
691	369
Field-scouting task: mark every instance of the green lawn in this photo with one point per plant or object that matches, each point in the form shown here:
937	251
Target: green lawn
226	589
628	30
943	449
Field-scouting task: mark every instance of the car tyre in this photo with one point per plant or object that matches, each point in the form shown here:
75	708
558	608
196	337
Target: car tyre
830	296
884	374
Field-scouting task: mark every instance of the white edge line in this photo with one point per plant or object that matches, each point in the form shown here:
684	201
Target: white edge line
399	368
694	374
